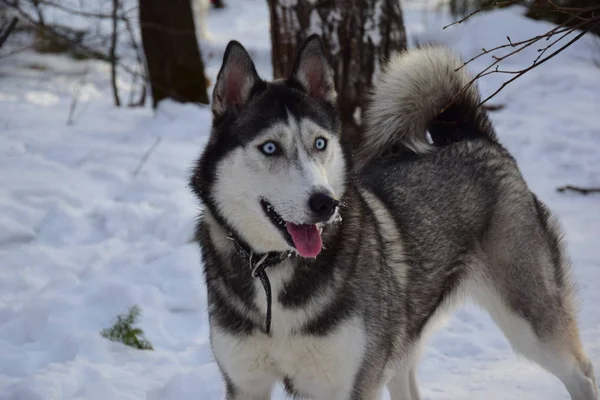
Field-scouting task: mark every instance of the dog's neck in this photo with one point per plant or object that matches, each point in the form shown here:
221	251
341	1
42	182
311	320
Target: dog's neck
227	241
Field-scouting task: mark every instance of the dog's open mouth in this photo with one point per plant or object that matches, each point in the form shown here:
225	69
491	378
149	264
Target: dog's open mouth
305	238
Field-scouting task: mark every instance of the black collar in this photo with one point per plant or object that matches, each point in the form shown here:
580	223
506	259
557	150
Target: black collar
257	263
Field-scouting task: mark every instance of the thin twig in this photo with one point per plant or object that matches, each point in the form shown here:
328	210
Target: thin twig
543	50
578	9
138	54
495	4
76	94
36	5
9	28
578	189
146	155
527	42
17	51
113	55
81	13
460	21
493	107
522	72
562	29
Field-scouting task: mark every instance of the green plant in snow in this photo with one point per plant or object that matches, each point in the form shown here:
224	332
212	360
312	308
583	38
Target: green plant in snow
123	330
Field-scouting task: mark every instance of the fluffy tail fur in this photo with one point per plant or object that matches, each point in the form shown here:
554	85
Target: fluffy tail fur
420	91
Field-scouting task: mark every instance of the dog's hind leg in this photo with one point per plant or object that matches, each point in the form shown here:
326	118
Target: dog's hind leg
523	280
399	387
549	339
413	385
403	386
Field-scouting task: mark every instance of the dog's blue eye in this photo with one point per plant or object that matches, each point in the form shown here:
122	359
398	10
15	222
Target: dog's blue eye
320	143
269	148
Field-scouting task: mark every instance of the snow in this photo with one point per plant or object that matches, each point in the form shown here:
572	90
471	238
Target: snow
88	230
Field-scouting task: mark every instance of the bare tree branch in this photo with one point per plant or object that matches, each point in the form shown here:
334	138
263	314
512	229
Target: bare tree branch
532	66
493	107
90	48
138	54
76	93
80	13
525	43
17	51
55	33
113	53
494	5
146	156
578	189
576	21
7	29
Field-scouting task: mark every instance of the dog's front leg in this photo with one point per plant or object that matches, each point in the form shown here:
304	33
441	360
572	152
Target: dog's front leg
366	392
241	384
246	365
250	389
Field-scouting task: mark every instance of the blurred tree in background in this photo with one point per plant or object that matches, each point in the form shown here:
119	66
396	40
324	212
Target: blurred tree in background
156	46
168	59
358	36
173	58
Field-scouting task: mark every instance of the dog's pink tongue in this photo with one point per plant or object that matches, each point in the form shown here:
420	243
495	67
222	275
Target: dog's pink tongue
307	239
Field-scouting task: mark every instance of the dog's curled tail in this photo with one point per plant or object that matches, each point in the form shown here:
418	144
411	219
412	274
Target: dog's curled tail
419	91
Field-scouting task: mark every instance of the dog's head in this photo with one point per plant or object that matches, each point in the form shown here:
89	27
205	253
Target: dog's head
273	170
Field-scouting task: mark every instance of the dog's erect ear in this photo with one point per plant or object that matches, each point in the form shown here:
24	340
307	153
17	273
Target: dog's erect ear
313	72
235	81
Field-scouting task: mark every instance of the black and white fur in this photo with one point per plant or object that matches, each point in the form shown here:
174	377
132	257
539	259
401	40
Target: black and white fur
421	226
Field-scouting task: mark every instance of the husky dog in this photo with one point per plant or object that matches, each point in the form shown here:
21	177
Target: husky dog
358	252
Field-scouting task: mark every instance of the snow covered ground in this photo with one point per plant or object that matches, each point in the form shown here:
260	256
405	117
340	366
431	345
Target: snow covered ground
87	230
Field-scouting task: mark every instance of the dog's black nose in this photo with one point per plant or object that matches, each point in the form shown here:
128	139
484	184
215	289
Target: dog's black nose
322	205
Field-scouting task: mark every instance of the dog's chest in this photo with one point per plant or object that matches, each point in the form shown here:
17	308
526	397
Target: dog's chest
317	366
285	320
322	366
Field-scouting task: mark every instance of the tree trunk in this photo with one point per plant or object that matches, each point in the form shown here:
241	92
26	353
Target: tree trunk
358	35
173	60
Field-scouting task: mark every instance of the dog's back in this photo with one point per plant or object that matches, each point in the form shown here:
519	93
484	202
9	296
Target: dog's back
470	225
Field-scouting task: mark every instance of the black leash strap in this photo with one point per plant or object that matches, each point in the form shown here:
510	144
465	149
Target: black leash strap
258	264
264	279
